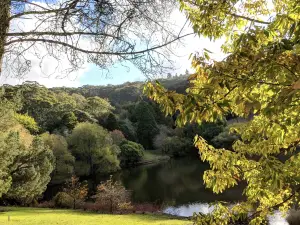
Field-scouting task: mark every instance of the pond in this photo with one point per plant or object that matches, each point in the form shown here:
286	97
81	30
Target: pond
178	184
175	182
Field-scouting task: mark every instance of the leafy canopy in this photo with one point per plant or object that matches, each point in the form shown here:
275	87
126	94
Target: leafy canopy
259	78
93	149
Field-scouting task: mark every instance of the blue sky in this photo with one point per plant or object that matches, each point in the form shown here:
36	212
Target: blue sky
118	74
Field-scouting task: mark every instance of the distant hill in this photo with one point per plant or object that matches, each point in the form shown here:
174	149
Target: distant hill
127	92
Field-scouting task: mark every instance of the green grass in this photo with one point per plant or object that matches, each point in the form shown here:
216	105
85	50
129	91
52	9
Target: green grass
153	156
34	216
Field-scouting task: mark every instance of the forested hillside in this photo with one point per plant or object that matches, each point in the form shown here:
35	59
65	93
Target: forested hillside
78	131
127	92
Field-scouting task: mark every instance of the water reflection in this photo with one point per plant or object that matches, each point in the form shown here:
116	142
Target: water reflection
176	182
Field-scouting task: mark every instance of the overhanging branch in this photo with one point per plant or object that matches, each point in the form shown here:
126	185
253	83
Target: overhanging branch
56	42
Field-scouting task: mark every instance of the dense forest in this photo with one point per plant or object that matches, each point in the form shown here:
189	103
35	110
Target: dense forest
88	132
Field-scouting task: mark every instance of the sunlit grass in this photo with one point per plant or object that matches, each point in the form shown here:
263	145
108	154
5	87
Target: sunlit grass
34	216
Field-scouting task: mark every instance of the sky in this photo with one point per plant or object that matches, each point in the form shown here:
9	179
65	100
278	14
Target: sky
117	74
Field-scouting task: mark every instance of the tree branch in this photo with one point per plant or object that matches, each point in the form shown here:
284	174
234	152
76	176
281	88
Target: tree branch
90	51
38	12
249	19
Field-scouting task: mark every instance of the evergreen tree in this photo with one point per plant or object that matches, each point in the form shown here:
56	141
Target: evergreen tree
112	122
146	126
24	171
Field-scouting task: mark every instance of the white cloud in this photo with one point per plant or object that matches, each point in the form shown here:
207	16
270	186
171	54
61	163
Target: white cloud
192	44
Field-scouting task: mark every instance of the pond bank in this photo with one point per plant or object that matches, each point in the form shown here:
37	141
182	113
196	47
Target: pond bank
152	157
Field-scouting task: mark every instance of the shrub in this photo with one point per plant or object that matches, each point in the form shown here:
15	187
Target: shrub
128	130
131	153
147	207
46	204
113	194
94	206
117	137
76	190
176	146
63	200
164	133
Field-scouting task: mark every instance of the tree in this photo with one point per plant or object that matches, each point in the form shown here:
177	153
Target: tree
93	149
131	153
64	161
117	137
147	127
112	193
25	170
69	120
128	130
6	114
98	107
260	78
112	122
76	190
102	32
28	122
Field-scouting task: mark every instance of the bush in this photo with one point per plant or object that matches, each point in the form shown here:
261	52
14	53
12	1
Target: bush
46	204
76	190
63	200
117	137
94	206
164	133
176	146
114	195
131	153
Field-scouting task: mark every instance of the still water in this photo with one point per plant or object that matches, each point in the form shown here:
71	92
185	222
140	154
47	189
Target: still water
175	182
178	184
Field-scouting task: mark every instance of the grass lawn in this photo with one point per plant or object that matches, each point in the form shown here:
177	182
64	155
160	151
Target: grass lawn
34	216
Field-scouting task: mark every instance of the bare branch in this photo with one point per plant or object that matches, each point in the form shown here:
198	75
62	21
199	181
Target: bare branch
95	52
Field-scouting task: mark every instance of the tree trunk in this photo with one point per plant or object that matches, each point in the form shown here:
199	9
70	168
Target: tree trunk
111	206
74	203
4	26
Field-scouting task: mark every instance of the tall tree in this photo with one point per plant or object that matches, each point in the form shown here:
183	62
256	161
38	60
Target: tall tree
98	107
112	122
93	149
64	161
260	76
25	170
99	31
146	125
